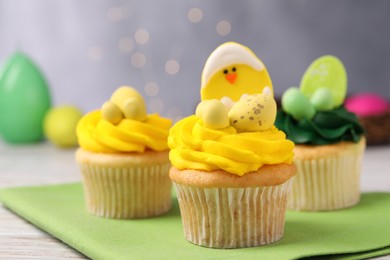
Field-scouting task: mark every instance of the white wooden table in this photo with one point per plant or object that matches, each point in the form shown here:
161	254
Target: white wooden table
42	163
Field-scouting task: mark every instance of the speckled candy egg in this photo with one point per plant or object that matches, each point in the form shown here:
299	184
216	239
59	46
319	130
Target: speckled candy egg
253	113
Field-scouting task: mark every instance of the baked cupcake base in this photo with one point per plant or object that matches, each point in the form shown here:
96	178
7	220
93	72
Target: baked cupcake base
328	177
233	217
126	186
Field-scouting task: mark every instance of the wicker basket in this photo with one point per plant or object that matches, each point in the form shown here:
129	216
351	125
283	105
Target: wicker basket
377	128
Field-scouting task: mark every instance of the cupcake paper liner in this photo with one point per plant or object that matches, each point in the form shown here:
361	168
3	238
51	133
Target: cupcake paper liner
128	192
327	183
233	217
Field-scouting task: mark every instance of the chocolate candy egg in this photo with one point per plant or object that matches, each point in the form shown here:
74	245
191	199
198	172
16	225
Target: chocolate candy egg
297	105
24	100
253	113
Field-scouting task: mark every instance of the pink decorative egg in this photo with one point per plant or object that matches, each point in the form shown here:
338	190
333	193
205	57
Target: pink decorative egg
367	104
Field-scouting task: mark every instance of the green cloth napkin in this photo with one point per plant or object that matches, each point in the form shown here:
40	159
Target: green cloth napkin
359	232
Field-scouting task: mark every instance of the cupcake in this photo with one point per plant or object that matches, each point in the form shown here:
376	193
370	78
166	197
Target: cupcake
123	157
329	139
231	167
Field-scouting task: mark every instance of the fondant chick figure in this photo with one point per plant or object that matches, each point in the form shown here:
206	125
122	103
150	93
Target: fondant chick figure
125	102
252	113
231	72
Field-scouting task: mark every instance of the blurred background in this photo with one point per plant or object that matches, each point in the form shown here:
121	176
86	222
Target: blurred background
87	49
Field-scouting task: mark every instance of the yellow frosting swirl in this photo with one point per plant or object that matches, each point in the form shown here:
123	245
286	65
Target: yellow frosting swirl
98	135
194	146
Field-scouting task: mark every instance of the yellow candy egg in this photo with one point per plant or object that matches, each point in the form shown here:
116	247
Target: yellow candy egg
60	125
130	102
200	107
111	112
123	93
213	114
253	113
135	109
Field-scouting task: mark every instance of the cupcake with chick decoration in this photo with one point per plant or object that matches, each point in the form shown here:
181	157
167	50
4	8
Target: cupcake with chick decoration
123	158
329	139
231	72
231	167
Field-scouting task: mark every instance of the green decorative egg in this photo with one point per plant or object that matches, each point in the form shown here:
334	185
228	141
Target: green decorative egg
326	72
297	105
322	100
24	100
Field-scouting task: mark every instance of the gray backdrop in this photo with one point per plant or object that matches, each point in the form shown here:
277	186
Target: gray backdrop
88	48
